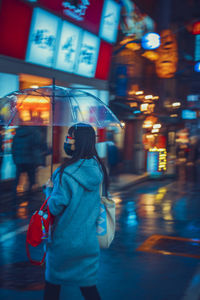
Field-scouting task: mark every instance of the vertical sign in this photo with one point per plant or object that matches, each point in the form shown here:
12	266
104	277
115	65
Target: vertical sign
197	48
88	55
68	46
110	21
42	38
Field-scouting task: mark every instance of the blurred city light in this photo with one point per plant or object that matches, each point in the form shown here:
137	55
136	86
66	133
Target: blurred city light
155	130
176	104
139	93
197	67
151	41
157	126
148	97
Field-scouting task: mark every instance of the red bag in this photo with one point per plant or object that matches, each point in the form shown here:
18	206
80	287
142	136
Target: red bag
38	230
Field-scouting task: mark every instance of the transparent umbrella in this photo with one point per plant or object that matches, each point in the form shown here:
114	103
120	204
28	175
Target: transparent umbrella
54	106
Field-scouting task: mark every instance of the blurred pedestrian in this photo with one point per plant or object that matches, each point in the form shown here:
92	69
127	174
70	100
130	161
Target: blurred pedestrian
73	247
113	159
26	151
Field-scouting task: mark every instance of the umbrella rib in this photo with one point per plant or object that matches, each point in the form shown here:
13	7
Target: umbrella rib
73	114
79	108
94	113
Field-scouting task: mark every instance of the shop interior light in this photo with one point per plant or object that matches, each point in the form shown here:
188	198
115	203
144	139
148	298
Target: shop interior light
155	97
34	86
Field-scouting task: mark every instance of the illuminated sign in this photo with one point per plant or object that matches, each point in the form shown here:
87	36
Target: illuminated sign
42	38
156	160
88	55
189	114
85	13
68	46
151	41
76	12
110	21
197	48
152	162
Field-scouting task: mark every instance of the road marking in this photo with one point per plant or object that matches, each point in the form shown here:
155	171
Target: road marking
11	234
193	291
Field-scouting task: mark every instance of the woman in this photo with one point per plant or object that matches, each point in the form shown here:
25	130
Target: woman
73	252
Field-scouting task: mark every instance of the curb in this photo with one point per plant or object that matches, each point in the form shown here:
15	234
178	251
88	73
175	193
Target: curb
130	184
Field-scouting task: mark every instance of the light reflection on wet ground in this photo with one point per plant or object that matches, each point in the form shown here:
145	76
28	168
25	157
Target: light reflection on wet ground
155	207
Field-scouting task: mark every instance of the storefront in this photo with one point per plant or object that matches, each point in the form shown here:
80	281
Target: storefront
46	40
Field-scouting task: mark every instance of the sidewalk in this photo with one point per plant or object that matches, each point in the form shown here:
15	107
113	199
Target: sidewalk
125	181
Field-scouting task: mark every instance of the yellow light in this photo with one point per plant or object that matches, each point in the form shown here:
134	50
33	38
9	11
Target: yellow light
147	124
155	98
144	106
133	104
157	126
139	93
176	104
155	130
174	116
148	97
34	86
33	99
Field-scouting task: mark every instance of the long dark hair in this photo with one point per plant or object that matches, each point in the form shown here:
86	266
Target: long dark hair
85	140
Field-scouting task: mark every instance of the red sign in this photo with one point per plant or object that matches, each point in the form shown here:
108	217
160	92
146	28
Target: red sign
104	60
196	28
15	19
87	13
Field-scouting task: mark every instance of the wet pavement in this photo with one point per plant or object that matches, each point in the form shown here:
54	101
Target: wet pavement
149	215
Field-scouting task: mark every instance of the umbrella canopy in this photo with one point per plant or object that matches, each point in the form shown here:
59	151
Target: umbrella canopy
54	106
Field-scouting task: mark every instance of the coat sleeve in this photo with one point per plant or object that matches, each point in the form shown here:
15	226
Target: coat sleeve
60	196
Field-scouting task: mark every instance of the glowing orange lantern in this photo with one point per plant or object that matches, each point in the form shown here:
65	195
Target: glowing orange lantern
166	64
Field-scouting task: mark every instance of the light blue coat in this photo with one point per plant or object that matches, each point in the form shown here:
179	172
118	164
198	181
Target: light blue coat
73	250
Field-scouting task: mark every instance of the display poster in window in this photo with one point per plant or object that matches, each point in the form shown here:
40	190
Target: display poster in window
68	47
42	38
88	55
109	21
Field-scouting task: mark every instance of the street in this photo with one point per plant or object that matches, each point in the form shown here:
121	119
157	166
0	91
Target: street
168	270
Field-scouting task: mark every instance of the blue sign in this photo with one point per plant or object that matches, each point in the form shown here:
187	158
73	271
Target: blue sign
68	49
197	67
152	162
151	41
88	54
43	38
110	21
189	114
